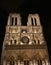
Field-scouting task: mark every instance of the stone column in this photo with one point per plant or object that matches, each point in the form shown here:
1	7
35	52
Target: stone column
15	63
22	63
19	62
18	20
4	62
29	21
30	63
37	19
34	63
8	63
13	42
33	21
43	62
47	63
9	20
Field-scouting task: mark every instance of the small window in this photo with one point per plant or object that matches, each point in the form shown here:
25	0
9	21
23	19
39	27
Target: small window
15	21
11	41
35	22
12	21
32	21
36	41
15	41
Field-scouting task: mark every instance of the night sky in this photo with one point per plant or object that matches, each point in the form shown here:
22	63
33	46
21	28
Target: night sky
24	7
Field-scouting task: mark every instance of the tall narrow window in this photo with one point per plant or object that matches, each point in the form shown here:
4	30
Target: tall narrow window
32	21
38	42
15	21
15	41
12	21
34	41
11	41
35	22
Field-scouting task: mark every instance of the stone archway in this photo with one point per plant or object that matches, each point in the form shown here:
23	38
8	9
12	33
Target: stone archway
39	58
26	59
12	60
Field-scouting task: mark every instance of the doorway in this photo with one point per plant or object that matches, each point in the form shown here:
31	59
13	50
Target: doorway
26	62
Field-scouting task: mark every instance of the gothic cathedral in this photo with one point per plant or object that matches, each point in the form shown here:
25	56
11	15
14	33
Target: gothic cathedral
24	45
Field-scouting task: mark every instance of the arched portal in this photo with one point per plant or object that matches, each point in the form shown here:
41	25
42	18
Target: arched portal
11	62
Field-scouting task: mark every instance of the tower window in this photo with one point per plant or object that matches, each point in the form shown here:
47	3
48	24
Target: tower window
38	42
11	41
35	41
35	22
32	21
15	41
15	21
12	21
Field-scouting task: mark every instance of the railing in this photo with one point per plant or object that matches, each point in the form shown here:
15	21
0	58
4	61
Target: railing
25	47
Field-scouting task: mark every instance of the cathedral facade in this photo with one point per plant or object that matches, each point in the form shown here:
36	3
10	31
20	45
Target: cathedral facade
24	45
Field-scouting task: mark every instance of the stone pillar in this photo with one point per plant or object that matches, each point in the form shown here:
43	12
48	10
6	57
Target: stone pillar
34	63
43	62
30	63
30	43
22	63
29	21
4	62
19	62
18	20
8	63
37	19
33	21
47	63
13	42
15	63
14	21
9	20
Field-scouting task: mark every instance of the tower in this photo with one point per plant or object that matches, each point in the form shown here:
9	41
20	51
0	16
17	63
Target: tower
24	45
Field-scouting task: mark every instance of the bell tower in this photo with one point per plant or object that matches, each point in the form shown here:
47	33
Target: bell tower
24	45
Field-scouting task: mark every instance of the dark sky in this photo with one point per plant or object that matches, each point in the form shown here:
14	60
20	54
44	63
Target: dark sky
24	7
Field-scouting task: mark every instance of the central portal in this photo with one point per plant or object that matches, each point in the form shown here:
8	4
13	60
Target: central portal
26	62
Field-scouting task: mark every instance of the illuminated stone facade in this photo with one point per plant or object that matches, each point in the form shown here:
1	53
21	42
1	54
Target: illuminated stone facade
24	45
